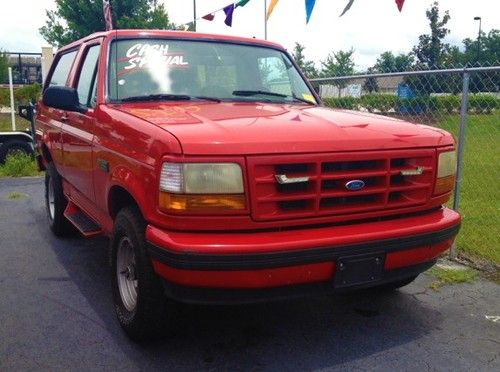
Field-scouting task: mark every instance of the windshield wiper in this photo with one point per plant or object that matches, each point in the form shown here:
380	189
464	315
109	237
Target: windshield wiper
157	97
248	93
168	97
206	98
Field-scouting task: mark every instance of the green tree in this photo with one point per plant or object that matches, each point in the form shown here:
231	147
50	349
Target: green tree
307	67
431	50
74	19
488	53
371	84
433	53
338	64
388	62
4	66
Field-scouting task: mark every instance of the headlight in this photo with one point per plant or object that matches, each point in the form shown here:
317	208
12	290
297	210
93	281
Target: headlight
201	186
447	165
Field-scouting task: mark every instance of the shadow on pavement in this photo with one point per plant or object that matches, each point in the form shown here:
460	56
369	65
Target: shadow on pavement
308	333
302	334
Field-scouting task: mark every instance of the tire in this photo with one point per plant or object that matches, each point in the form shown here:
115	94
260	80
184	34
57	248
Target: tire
55	203
140	304
13	146
389	287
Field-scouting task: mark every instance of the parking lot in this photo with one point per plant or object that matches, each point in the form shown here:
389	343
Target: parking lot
56	313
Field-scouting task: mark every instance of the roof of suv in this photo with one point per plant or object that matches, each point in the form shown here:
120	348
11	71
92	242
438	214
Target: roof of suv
173	34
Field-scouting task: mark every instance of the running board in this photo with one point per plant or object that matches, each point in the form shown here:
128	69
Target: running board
81	221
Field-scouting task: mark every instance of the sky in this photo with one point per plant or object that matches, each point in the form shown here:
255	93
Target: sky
370	27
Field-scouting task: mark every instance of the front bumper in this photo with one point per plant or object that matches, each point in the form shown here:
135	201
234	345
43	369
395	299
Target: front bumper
252	261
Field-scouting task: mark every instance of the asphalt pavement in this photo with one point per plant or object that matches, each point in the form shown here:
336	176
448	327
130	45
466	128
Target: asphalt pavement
56	314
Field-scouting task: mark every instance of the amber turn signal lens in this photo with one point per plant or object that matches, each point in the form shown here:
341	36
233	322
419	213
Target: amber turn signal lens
194	203
444	185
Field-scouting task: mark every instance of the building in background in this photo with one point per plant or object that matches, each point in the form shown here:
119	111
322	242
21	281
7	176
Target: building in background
26	68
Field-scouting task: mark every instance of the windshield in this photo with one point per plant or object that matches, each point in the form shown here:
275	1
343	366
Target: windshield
184	69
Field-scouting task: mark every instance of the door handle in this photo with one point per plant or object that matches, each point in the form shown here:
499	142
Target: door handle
64	118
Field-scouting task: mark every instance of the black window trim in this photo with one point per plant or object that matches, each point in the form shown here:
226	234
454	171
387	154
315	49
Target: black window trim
55	63
84	52
117	37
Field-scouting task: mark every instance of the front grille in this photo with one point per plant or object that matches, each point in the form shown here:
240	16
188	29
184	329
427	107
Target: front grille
325	192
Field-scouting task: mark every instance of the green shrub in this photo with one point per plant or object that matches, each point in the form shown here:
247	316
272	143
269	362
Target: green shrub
22	95
19	165
483	103
346	103
4	97
27	93
379	102
448	103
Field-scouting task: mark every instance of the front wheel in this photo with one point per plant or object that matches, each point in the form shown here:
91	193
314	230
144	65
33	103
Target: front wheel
56	202
141	307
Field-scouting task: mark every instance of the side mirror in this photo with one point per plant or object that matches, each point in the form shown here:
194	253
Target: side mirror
26	112
62	98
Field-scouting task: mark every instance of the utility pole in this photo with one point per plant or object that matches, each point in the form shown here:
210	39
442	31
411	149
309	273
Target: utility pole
265	19
194	15
478	39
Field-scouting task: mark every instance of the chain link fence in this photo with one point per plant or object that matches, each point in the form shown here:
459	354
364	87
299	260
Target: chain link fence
465	102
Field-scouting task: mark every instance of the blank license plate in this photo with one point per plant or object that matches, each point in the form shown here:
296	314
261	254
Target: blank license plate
356	270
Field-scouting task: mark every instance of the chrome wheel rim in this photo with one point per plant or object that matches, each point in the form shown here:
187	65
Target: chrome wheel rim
50	200
126	273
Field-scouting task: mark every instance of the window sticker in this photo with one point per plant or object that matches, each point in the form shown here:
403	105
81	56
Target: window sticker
151	56
308	97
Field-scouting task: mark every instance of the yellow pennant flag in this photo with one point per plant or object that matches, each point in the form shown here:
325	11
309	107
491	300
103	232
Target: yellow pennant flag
271	8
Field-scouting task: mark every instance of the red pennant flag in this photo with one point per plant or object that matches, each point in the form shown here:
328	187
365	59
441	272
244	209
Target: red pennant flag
400	4
209	17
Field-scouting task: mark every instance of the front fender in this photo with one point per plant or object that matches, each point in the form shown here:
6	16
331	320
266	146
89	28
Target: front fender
135	182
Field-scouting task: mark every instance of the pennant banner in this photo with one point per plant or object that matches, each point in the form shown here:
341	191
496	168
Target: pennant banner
271	8
229	10
229	14
347	7
400	4
241	3
209	17
309	9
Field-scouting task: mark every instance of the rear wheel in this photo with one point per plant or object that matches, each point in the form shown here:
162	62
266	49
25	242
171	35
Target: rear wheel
141	307
55	203
14	146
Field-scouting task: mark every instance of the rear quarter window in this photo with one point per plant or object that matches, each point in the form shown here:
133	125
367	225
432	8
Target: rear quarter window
62	69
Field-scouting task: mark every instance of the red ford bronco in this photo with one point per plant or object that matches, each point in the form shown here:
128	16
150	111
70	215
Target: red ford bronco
220	178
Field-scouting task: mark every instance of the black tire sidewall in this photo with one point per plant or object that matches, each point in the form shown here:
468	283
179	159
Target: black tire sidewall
149	317
14	145
59	225
121	229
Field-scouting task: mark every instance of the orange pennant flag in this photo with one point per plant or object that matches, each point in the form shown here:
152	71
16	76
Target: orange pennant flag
271	8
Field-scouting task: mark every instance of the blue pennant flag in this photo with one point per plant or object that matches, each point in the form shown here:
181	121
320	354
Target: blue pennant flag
309	9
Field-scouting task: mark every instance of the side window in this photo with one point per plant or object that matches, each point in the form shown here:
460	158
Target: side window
61	72
86	82
274	75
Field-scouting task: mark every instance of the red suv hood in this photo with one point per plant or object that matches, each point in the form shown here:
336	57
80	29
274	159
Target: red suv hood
206	128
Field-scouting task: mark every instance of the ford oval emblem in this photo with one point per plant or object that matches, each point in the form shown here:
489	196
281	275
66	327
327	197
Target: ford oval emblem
355	185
